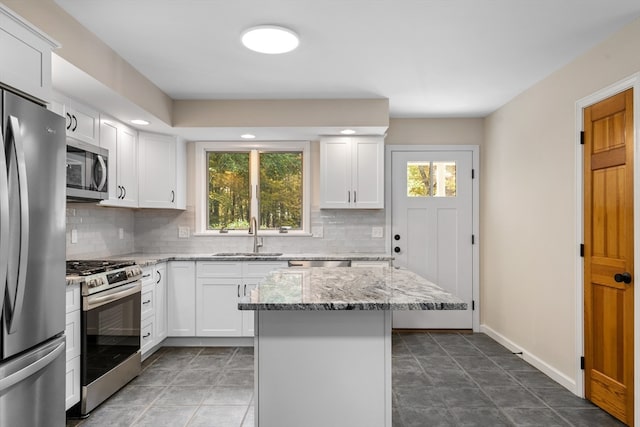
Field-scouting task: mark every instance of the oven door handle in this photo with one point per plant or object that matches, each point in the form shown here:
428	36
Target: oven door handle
106	297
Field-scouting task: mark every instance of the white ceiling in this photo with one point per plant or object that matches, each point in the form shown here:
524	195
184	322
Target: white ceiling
430	58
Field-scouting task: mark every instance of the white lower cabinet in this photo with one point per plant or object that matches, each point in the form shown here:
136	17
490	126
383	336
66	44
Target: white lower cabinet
212	292
181	298
153	308
72	334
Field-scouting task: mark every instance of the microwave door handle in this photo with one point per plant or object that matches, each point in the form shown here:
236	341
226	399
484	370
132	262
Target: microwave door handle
24	223
4	221
103	175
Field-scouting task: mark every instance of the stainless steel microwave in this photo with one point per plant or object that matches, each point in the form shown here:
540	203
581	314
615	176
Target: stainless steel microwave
87	172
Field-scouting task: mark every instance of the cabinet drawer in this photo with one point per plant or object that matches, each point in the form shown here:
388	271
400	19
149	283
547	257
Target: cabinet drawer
262	268
147	335
72	383
219	269
148	276
72	301
147	302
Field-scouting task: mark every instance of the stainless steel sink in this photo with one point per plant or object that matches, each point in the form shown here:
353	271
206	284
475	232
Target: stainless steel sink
249	254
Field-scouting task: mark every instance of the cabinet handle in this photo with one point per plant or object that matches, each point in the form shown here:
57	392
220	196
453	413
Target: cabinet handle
159	277
238	291
146	275
70	121
75	126
354	196
147	335
173	196
348	196
124	191
245	290
146	302
120	190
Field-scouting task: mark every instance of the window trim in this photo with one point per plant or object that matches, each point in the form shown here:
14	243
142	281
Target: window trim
201	149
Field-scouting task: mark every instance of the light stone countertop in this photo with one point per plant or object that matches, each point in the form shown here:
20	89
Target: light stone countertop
146	260
343	288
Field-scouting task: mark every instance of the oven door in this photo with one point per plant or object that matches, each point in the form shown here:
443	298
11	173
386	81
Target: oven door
111	329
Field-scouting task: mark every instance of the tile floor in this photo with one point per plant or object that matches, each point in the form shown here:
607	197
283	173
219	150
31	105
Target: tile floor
438	380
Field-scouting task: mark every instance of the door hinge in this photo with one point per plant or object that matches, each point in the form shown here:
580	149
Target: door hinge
473	305
473	239
582	363
582	250
581	137
473	174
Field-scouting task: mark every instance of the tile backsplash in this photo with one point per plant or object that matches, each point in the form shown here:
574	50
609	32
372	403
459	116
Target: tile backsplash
105	232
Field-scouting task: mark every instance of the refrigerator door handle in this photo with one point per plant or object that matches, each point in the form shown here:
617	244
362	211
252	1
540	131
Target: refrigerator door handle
31	369
16	311
4	220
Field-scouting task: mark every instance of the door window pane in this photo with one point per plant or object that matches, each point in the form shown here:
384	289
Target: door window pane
228	184
431	179
280	196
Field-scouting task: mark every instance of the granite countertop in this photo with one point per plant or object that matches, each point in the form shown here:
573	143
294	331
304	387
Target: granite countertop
356	288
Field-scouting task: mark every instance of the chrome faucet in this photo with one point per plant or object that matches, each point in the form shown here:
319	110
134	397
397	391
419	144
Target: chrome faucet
253	229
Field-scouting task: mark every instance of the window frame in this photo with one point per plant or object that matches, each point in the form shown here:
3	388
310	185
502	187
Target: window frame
201	189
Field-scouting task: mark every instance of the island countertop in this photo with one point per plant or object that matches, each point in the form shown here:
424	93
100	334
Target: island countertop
356	288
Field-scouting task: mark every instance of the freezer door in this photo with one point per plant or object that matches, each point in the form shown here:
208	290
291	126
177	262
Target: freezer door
32	387
34	143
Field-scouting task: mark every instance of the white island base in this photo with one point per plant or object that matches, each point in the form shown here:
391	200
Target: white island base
323	368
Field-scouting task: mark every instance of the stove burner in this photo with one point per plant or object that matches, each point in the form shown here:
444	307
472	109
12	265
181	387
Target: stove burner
89	267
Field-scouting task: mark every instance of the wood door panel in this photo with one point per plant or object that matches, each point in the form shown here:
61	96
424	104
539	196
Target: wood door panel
609	248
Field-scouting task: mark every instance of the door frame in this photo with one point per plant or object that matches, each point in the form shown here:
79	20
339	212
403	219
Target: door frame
475	195
632	81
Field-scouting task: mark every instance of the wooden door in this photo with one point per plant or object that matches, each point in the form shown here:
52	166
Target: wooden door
608	255
431	230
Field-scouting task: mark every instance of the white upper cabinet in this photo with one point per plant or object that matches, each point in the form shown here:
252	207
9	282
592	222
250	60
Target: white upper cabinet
25	56
352	172
121	141
162	172
82	122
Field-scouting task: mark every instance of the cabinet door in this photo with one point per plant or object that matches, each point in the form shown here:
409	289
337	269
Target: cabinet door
217	313
128	166
72	382
181	299
335	173
368	173
85	123
248	315
157	172
72	334
161	302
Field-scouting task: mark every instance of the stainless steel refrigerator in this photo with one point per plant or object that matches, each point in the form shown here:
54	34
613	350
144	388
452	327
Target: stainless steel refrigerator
32	264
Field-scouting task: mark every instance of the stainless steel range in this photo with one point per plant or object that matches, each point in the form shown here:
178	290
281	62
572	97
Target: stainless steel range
111	292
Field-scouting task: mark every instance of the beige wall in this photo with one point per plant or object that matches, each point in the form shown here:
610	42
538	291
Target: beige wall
435	132
528	204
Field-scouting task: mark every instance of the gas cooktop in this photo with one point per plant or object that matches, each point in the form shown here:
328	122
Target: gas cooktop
89	267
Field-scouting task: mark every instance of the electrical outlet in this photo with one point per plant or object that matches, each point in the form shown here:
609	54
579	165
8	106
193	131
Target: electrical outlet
183	232
317	231
74	236
376	232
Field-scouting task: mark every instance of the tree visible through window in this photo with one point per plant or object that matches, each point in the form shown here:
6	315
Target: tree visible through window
431	179
279	195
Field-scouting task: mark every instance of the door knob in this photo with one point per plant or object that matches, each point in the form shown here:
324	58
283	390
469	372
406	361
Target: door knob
396	249
622	277
396	237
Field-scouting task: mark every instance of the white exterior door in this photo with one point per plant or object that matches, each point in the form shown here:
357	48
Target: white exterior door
432	228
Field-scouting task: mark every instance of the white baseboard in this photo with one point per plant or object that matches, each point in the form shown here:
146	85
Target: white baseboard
538	363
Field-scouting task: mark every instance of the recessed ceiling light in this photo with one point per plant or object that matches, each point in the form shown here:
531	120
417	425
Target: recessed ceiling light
140	122
347	131
271	39
247	136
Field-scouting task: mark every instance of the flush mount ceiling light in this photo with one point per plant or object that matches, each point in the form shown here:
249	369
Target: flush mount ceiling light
247	136
140	122
347	131
270	39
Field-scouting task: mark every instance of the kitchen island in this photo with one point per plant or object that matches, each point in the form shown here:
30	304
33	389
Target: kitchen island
323	342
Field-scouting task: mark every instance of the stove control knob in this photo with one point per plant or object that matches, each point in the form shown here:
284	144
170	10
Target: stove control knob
92	283
129	273
100	281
